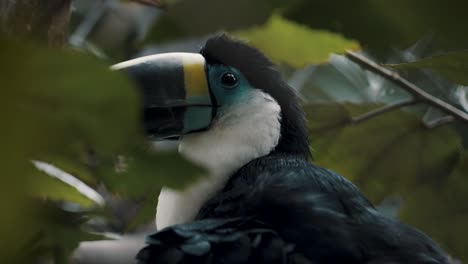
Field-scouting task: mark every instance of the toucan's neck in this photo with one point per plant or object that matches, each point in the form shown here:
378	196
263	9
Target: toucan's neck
294	138
241	134
294	141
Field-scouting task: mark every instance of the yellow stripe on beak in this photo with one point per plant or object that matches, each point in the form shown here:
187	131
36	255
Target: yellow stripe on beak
195	80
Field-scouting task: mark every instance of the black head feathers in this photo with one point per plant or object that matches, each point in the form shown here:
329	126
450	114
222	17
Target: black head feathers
262	74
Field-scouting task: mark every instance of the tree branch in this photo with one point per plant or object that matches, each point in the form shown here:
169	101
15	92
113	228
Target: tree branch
418	93
381	110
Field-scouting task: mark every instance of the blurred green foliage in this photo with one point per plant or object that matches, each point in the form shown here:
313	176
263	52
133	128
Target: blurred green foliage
51	109
453	65
396	154
381	25
66	108
439	207
309	46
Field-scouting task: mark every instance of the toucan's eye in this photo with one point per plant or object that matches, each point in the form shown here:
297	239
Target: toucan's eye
229	80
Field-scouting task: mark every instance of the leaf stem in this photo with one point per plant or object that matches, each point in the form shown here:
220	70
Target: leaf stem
376	112
440	122
418	93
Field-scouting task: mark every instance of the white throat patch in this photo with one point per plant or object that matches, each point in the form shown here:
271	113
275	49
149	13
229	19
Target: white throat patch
249	130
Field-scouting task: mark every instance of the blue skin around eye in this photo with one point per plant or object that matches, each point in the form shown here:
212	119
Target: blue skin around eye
197	118
226	96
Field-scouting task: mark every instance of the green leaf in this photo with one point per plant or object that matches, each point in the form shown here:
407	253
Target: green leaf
68	109
55	103
53	189
373	153
287	42
382	25
441	209
396	154
453	65
60	232
144	172
72	101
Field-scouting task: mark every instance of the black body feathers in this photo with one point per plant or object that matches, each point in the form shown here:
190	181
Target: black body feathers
228	241
315	215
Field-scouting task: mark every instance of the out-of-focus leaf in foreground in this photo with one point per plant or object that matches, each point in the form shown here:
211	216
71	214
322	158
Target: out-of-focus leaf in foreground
55	103
453	65
296	45
142	172
59	232
65	108
396	154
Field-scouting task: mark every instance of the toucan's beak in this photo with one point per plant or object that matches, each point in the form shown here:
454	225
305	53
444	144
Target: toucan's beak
175	92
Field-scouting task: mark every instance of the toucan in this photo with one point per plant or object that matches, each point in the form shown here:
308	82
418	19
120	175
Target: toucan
262	201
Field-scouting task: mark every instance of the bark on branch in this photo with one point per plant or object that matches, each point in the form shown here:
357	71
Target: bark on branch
418	93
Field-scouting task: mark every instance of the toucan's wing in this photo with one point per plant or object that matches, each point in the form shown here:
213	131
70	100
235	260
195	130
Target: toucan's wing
290	211
324	215
226	241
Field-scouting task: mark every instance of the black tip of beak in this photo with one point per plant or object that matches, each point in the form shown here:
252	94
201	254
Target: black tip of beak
161	83
173	88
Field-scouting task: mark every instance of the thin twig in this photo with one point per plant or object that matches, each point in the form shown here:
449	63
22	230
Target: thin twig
414	90
440	122
381	110
156	3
